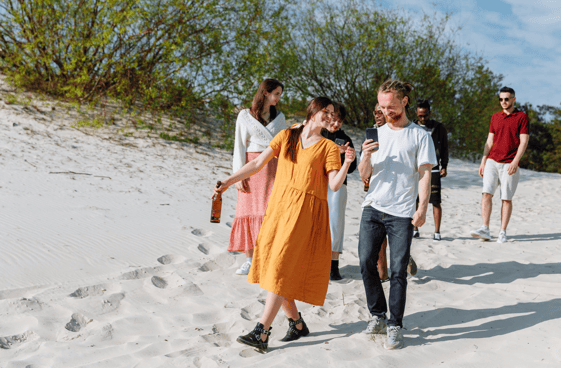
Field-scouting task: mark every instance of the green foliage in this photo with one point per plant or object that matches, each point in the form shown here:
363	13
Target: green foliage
174	138
346	50
96	123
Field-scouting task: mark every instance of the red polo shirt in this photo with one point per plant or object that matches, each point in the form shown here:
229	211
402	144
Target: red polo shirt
507	130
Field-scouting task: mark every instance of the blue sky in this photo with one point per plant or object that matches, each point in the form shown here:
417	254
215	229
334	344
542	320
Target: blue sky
521	39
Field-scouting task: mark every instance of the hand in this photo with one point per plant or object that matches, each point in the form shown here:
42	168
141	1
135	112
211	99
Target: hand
369	146
343	148
243	186
419	218
512	168
481	168
443	173
219	189
349	154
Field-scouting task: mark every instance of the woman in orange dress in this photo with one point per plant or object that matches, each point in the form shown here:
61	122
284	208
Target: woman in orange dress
292	255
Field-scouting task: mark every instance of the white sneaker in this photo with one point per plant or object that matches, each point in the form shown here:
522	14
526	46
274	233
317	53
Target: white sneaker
437	237
377	325
395	338
244	269
482	233
502	237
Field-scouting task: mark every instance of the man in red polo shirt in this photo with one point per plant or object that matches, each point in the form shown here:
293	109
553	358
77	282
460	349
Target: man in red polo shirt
505	146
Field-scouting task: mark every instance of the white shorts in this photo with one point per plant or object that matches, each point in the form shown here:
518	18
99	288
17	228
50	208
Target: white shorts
496	173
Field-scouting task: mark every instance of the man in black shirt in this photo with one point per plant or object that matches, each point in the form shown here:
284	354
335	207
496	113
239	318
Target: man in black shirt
440	139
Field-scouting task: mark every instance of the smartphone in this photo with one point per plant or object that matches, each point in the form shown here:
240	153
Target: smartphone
372	133
339	141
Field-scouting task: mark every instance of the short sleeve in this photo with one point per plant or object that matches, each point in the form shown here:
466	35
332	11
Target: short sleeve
492	127
277	142
333	159
426	153
524	125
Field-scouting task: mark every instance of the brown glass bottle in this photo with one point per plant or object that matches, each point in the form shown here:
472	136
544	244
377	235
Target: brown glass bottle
366	185
216	206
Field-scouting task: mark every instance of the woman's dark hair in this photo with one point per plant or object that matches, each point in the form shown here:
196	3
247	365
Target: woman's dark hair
315	106
340	111
258	103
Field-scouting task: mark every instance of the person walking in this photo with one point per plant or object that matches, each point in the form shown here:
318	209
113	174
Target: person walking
506	143
255	128
399	170
337	201
293	249
440	140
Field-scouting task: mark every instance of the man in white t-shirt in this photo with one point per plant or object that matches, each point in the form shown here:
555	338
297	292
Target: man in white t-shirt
399	168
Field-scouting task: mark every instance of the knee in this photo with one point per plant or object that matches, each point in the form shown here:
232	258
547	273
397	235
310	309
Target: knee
487	196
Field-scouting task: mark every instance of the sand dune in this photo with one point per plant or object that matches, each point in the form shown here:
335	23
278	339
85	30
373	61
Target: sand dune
109	260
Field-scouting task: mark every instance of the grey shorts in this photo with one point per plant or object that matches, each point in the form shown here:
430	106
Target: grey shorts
495	174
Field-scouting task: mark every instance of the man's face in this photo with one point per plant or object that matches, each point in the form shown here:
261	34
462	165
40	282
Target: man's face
379	117
392	106
506	100
423	115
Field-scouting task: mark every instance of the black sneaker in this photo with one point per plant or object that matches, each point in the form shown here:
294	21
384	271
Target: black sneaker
293	333
253	338
416	233
335	275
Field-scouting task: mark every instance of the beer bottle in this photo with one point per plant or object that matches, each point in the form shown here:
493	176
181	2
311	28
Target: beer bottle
216	206
366	185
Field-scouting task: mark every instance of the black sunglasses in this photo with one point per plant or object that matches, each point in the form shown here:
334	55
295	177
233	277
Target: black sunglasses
505	99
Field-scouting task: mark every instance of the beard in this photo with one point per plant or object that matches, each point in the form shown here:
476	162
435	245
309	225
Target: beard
394	117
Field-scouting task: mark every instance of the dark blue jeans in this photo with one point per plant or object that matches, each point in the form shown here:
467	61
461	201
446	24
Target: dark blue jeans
374	226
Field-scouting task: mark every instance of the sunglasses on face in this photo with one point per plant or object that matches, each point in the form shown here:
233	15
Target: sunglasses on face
504	99
422	116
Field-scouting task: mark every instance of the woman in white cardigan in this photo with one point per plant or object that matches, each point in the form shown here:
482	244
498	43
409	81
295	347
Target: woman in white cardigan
255	129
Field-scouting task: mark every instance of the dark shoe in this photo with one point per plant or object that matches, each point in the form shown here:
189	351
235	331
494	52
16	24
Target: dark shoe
335	275
293	333
253	338
412	267
416	234
385	280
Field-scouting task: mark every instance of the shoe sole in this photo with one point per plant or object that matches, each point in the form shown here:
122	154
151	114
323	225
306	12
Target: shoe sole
390	347
241	341
484	238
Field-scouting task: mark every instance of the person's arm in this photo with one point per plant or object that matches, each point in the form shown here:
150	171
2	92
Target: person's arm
486	150
443	151
246	171
337	177
352	168
420	215
240	146
513	167
365	165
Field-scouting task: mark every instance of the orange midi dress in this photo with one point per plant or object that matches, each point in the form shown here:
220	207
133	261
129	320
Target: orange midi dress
292	255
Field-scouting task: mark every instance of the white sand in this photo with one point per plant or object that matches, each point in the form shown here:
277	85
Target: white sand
122	268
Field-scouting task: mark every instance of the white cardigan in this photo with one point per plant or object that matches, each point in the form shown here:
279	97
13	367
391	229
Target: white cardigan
252	136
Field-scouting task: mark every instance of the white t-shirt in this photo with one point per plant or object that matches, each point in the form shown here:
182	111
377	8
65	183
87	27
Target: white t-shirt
394	184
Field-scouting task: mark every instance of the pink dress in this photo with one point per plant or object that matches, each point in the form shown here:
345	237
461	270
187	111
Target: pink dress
251	139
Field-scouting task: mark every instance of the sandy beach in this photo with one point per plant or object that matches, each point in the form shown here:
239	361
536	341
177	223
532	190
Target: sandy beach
108	259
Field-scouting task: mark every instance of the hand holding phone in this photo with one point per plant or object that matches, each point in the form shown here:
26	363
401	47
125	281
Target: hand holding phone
339	141
372	133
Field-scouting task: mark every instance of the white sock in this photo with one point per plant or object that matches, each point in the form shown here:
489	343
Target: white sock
249	259
485	227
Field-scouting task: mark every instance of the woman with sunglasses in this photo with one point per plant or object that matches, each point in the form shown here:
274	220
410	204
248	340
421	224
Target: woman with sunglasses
293	250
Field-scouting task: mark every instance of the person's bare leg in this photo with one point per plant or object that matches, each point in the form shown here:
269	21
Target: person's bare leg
272	306
289	308
486	208
383	260
437	212
506	212
249	253
335	255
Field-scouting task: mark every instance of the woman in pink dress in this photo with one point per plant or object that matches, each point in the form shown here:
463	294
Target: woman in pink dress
255	129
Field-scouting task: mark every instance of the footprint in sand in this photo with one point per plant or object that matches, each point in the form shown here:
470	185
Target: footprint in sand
249	353
11	342
193	289
171	259
141	273
201	232
77	322
223	261
167	282
203	248
84	292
